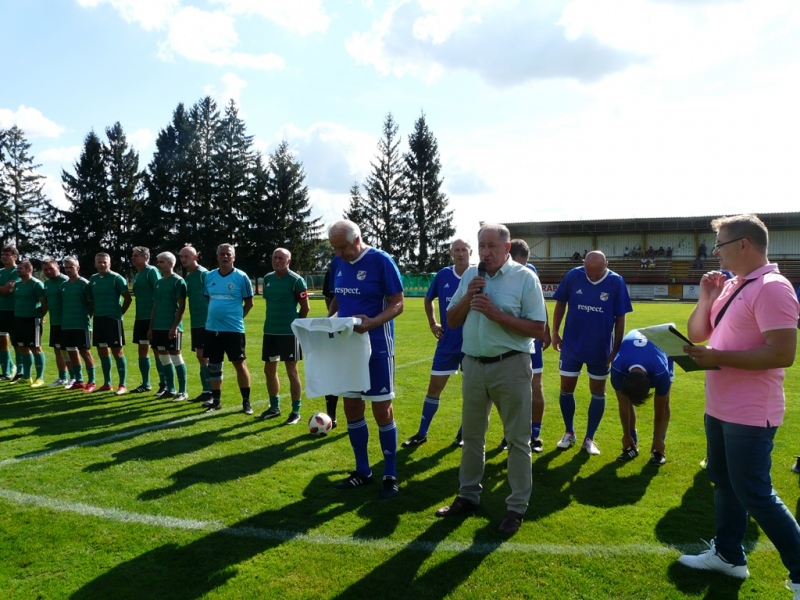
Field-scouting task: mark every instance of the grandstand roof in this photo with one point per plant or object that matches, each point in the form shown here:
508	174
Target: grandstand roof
773	221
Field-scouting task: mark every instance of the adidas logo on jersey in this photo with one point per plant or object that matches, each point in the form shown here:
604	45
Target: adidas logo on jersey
579	292
291	356
446	285
339	274
384	391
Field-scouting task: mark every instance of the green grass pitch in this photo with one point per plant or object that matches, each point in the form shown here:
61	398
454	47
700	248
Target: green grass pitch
132	497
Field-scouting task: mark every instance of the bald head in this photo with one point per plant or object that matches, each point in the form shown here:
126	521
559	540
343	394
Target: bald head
596	265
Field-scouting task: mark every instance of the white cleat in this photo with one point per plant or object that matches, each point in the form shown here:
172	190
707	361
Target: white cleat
566	442
590	447
711	560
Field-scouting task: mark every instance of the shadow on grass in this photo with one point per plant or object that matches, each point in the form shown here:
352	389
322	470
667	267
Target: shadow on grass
232	467
212	559
606	489
715	585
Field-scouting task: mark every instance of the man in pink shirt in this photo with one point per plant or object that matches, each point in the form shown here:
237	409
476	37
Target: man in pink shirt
750	322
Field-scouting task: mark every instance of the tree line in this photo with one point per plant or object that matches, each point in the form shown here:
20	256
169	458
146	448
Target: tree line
206	184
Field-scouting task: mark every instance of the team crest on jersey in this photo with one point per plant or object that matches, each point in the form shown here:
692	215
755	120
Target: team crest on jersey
603	296
230	287
361	276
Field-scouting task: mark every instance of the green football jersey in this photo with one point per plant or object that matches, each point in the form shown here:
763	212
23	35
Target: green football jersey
6	275
76	298
168	291
107	293
144	284
52	291
198	303
282	295
28	298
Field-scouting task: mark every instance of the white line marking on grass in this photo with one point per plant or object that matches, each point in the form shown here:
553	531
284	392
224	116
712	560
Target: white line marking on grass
105	440
591	550
414	362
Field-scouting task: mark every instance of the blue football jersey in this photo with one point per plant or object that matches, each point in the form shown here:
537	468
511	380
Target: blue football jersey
592	307
444	285
637	351
225	295
362	288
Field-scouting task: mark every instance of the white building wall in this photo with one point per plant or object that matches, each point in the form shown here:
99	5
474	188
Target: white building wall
566	246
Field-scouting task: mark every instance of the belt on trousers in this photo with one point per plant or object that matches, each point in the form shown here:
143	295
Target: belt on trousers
487	360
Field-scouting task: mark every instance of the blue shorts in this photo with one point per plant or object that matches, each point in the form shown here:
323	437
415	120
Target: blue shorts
446	363
381	381
537	360
570	367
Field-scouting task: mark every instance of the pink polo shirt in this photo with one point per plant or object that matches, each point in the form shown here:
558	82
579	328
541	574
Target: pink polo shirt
750	397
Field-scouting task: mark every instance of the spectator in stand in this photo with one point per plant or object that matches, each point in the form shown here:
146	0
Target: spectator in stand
701	251
697	264
669	251
626	253
661	251
643	263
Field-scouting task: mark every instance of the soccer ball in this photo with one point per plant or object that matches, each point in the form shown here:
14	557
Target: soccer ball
319	424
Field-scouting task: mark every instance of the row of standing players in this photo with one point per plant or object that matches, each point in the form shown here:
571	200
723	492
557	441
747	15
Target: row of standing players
502	311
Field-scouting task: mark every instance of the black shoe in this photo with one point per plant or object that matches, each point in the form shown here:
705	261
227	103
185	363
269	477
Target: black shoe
354	480
214	406
334	424
503	445
536	445
628	454
657	459
293	419
390	488
458	442
246	408
165	393
413	441
5	378
203	397
141	389
16	378
208	403
270	413
162	387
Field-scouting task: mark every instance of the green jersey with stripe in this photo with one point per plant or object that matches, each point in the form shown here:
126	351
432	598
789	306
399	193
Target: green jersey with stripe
144	284
107	293
6	275
282	295
52	291
28	298
76	298
198	303
168	291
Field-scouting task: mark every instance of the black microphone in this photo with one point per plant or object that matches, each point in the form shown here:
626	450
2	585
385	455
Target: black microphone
481	273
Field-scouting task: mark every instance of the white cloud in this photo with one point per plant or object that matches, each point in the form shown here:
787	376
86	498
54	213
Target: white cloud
64	156
210	37
506	42
231	89
32	122
300	16
141	140
53	190
333	156
150	14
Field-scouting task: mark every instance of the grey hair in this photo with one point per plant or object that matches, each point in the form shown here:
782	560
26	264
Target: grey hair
350	230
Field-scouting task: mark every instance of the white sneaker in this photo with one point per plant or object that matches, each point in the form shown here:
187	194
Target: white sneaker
590	447
179	397
68	383
13	372
58	382
566	442
711	560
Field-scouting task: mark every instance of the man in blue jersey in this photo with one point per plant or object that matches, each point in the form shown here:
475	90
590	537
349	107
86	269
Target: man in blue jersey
367	285
638	367
448	355
501	311
595	300
230	298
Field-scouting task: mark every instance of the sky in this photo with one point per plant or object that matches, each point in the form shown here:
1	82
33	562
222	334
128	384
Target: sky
543	111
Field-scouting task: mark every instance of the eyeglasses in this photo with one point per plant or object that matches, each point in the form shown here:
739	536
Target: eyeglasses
717	246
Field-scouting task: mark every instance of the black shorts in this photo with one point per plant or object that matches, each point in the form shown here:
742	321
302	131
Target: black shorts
108	332
55	336
198	338
221	343
6	322
140	329
162	342
76	338
27	332
283	348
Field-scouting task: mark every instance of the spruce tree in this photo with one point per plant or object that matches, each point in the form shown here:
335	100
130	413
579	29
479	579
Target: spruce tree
203	176
26	210
386	215
432	221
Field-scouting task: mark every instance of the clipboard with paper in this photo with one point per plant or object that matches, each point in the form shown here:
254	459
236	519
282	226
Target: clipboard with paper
671	342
